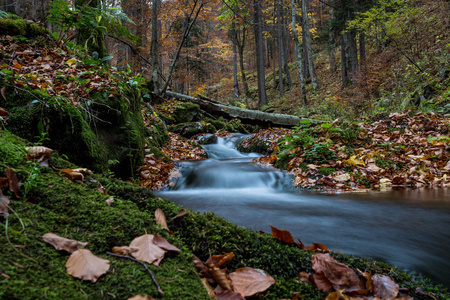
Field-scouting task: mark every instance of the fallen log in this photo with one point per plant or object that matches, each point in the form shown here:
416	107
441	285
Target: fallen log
247	116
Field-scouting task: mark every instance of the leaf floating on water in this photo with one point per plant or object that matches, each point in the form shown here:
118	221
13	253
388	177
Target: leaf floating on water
147	250
60	243
220	260
249	281
282	235
384	287
161	219
86	266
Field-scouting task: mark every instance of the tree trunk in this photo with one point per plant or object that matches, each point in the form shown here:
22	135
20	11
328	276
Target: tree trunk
345	52
362	55
154	46
235	77
353	57
312	72
280	51
285	48
298	51
257	17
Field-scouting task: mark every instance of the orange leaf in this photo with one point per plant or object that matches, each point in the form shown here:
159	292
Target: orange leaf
282	235
318	247
61	243
220	276
249	281
220	260
86	266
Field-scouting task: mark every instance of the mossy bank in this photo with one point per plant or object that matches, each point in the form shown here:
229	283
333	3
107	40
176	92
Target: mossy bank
50	202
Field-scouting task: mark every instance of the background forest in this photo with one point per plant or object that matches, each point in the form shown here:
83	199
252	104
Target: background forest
335	58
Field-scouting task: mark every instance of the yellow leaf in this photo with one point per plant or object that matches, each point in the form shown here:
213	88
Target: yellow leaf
355	161
71	61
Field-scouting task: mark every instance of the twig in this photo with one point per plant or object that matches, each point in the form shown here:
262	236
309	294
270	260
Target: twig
142	263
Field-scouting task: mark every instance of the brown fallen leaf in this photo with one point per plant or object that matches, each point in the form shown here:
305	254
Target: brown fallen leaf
39	152
60	243
101	189
229	295
201	267
72	174
85	265
318	247
282	235
160	218
3	93
220	276
304	277
180	214
384	287
141	297
3	182
13	180
208	288
220	260
249	281
124	250
340	275
163	243
322	282
148	251
4	201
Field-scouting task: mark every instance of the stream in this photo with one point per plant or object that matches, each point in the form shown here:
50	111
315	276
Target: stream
407	228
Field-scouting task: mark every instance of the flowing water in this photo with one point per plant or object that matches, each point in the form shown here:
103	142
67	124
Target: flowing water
408	228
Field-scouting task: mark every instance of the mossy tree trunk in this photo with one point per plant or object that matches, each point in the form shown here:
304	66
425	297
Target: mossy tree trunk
91	38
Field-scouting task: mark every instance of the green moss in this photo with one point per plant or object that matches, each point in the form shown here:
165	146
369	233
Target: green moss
18	26
326	171
186	112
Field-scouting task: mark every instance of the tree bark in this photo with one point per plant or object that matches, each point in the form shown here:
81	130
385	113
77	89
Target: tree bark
298	51
247	116
312	72
285	48
257	17
154	46
235	77
280	50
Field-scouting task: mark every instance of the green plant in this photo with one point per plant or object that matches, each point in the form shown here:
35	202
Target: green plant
320	153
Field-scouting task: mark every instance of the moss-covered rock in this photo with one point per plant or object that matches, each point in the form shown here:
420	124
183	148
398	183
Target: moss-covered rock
18	26
190	129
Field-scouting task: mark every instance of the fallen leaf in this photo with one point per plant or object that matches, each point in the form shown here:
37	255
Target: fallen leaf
86	266
110	201
282	235
101	189
384	287
148	251
355	161
3	182
161	219
249	281
13	180
229	295
163	243
304	277
220	276
318	247
322	282
72	174
180	214
4	201
342	178
124	250
39	152
220	260
340	275
141	297
2	92
60	243
337	295
71	61
201	267
208	288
